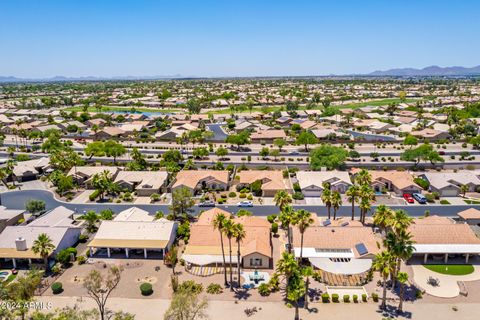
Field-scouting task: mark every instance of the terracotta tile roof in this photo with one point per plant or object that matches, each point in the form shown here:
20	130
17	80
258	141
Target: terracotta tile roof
190	178
337	238
471	213
273	178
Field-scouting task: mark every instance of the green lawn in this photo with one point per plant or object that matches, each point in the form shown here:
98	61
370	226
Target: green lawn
110	108
450	269
471	202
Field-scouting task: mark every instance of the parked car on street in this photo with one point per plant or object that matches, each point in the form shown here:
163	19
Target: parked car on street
245	204
420	198
207	203
408	197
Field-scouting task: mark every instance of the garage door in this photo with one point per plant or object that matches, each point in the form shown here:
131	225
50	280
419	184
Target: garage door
449	192
311	193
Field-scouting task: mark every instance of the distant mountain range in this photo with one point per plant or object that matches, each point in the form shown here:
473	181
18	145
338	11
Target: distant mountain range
91	78
402	72
429	71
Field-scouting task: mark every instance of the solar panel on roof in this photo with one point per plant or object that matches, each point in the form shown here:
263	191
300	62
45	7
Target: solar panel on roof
361	249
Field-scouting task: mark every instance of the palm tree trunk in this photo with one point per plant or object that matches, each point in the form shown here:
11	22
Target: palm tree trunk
223	256
334	214
353	209
231	275
384	299
307	283
301	247
289	240
328	209
400	305
238	263
297	316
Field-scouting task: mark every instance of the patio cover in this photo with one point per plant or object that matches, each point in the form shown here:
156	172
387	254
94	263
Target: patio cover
355	266
204	259
446	248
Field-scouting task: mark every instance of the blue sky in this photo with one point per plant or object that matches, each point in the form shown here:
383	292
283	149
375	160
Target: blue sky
234	38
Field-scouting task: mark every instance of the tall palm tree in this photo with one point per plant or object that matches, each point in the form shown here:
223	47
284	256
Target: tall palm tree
286	218
303	220
307	272
402	277
336	202
383	216
400	246
282	199
352	194
367	196
327	200
44	247
363	177
218	224
286	266
239	236
229	230
384	264
400	221
91	218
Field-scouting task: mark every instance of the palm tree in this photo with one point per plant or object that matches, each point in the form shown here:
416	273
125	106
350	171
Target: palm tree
327	199
363	178
307	273
400	221
352	194
282	199
218	224
229	230
239	236
336	202
402	277
384	264
44	247
91	218
383	216
400	246
464	189
303	220
366	198
286	218
286	266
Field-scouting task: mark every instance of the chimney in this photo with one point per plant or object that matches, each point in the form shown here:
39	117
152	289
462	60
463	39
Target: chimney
21	244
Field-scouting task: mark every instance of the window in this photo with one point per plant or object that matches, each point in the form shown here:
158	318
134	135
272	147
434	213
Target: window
255	262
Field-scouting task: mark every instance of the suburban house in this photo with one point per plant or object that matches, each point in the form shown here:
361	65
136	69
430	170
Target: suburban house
470	216
30	169
16	241
439	238
431	134
338	251
197	180
448	184
311	182
133	233
204	247
9	217
399	182
272	181
144	183
84	174
267	136
107	133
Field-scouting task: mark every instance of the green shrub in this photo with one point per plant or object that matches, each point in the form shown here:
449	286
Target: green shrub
57	287
94	195
274	283
264	289
346	298
375	297
430	197
422	183
81	259
443	201
355	298
83	238
242	196
325	297
223	196
274	228
419	294
250	197
298	196
146	289
317	276
232	194
296	187
364	297
335	297
191	286
214	288
170	217
271	218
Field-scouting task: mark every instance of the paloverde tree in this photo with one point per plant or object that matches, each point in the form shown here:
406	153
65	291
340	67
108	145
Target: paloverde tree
306	138
182	202
327	156
100	286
